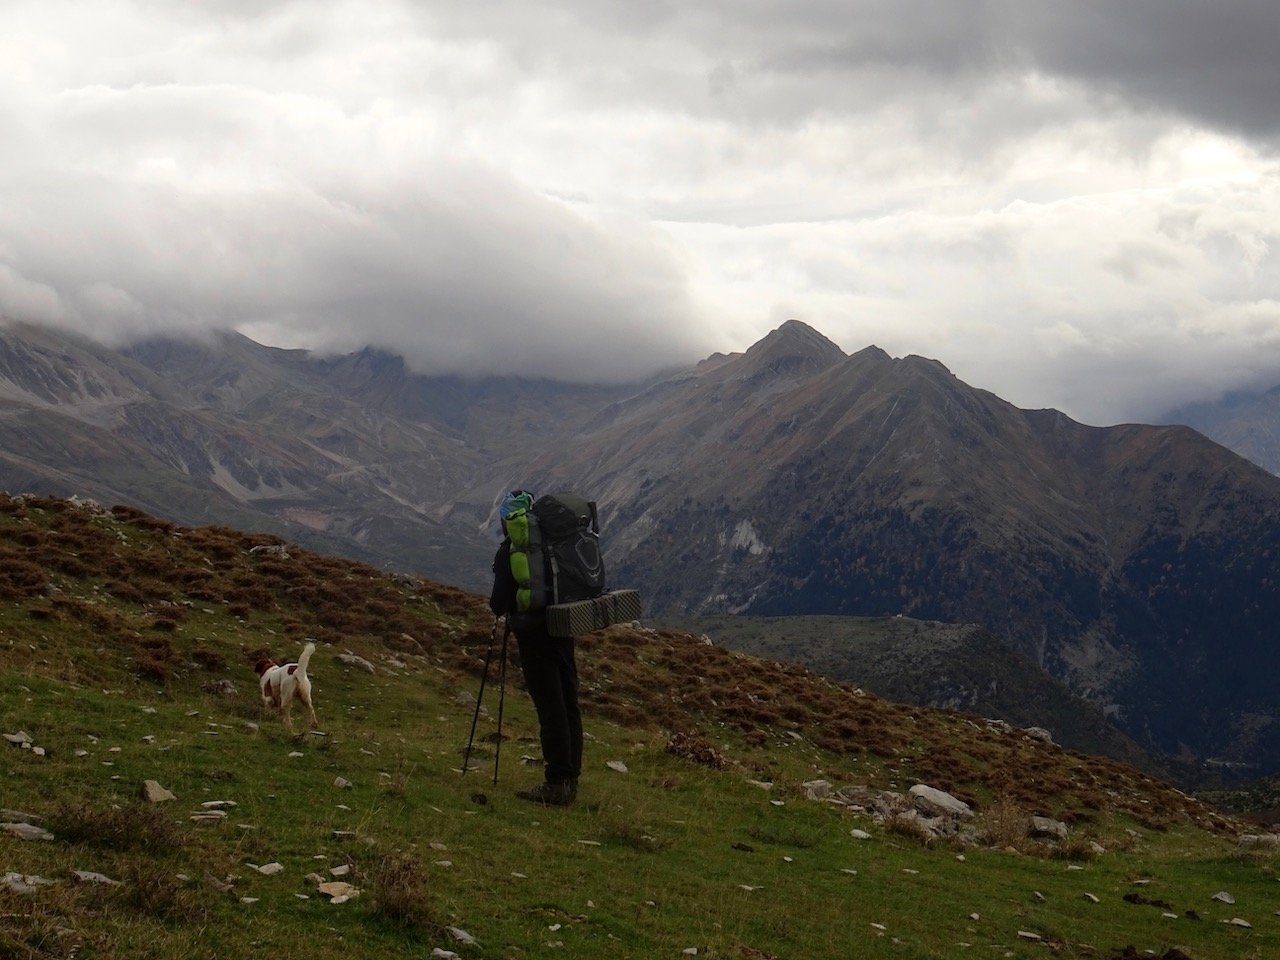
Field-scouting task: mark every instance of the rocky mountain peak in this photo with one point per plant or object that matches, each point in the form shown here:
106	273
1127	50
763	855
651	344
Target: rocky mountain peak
792	348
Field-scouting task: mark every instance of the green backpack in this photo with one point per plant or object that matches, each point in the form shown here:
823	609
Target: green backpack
555	552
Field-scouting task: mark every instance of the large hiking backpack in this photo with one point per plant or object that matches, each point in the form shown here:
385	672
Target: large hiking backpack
555	552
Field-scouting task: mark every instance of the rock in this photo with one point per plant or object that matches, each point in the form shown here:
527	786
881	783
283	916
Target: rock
1039	733
270	869
26	884
342	783
934	801
1048	828
337	891
1091	898
817	789
152	792
88	876
217	804
26	831
1237	922
617	766
859	834
1260	841
1096	848
351	660
341	870
461	935
1224	897
1028	935
17	816
19	739
440	954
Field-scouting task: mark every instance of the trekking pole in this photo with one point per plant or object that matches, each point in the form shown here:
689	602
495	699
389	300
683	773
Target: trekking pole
488	657
502	696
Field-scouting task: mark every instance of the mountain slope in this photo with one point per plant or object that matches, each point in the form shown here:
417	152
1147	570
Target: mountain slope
129	643
1246	422
1137	563
924	663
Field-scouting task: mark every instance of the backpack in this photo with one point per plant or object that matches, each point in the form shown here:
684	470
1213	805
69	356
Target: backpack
555	552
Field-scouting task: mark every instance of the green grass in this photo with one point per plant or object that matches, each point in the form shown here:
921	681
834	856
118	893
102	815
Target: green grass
669	856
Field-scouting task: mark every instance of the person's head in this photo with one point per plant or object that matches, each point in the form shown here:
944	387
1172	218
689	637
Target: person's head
514	502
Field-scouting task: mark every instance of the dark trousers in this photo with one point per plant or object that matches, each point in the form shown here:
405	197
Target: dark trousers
551	675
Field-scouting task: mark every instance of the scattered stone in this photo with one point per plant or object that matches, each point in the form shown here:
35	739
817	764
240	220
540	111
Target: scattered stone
341	870
931	800
17	816
1224	897
26	831
1039	897
20	739
337	891
1091	898
270	869
859	834
1260	841
20	883
1237	922
217	804
762	784
1028	935
617	766
152	792
1039	733
441	954
817	789
248	900
295	753
88	876
1048	828
351	660
342	783
461	935
208	816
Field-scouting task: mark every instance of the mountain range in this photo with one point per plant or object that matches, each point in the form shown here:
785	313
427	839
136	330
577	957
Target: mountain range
1136	564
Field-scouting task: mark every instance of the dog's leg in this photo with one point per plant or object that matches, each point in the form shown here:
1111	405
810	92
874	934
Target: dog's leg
304	692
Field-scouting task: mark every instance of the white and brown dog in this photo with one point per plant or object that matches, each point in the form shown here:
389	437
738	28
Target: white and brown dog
281	682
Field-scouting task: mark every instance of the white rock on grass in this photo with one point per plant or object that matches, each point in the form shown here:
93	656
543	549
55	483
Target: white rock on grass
1224	897
617	766
88	876
461	935
26	884
26	831
152	792
933	800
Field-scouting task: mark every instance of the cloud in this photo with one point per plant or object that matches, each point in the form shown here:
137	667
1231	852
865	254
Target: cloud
1068	204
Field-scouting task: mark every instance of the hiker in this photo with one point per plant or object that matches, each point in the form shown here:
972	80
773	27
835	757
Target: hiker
550	673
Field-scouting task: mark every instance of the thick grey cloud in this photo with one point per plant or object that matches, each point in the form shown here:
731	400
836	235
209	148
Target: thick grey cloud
1071	204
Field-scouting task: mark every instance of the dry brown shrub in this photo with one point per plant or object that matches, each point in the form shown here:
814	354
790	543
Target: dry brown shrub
20	578
1003	823
697	749
400	893
135	826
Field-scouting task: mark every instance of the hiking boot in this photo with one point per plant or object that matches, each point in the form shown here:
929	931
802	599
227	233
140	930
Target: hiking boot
550	794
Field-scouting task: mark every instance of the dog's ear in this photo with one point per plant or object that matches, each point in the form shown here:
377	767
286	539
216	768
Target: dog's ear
263	666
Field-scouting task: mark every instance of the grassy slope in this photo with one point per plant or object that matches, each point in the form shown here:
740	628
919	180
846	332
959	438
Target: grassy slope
117	628
928	663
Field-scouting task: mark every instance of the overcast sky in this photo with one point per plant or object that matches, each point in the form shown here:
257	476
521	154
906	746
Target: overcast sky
1071	203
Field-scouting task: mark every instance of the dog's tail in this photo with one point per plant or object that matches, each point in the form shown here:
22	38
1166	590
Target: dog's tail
307	651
